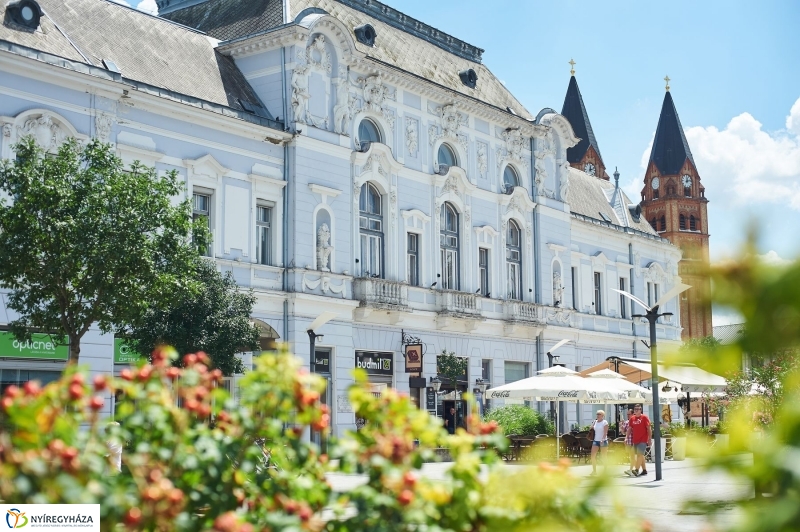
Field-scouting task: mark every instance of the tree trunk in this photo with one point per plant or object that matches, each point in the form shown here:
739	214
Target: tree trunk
74	348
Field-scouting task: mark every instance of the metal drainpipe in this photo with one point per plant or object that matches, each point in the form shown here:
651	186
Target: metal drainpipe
630	287
286	217
537	295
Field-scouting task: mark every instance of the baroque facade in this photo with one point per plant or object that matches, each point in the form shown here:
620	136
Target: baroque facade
364	173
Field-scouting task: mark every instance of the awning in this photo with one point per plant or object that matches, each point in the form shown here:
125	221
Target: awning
691	378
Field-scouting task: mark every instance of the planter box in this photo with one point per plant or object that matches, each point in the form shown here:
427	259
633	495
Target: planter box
679	448
722	441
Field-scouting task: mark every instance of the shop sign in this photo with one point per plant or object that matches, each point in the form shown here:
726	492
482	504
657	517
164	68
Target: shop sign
124	353
39	346
413	353
376	363
430	400
321	362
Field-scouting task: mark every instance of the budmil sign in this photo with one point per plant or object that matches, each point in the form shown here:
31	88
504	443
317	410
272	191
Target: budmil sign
39	346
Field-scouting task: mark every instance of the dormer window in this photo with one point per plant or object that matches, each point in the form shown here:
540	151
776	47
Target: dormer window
446	156
468	78
510	179
368	132
365	34
25	13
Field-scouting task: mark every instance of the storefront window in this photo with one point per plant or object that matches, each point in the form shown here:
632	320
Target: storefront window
18	377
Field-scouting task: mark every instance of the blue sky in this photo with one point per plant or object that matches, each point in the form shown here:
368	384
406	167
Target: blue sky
735	71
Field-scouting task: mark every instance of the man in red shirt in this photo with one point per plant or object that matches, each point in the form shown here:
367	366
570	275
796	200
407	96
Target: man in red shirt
642	436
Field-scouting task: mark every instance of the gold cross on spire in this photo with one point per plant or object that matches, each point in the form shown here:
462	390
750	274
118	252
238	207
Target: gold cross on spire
572	67
666	78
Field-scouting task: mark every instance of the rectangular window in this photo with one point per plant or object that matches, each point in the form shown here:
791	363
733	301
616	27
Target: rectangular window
575	288
486	370
598	304
649	294
264	234
413	259
515	371
201	204
623	301
483	270
371	260
449	269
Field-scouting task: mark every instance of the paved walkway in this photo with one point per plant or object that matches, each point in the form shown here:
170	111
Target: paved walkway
661	503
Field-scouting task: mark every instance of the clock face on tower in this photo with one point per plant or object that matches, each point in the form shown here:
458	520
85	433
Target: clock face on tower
589	168
686	180
655	183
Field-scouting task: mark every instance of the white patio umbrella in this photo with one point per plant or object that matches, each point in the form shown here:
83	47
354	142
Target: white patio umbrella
626	391
556	384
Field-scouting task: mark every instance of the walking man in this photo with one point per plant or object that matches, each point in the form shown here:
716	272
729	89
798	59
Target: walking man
625	428
450	421
641	436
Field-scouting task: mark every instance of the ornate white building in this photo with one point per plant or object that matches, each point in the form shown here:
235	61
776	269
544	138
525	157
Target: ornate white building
357	167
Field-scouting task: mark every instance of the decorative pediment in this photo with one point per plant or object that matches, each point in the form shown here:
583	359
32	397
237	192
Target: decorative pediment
561	126
47	128
454	181
206	165
376	164
600	261
450	128
518	202
317	55
415	218
655	273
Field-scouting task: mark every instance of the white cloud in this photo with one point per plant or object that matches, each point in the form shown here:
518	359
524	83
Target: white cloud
743	164
148	6
773	259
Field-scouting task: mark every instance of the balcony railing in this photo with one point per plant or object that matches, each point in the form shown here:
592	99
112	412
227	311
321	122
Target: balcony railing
523	311
373	292
453	302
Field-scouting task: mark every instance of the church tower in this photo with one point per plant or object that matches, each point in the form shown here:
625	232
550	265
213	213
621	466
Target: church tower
674	202
585	155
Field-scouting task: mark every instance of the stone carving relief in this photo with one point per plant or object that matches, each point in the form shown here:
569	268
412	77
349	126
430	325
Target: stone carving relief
6	130
545	146
672	271
655	273
324	284
300	93
561	316
452	121
564	188
412	136
375	94
317	55
45	130
324	248
483	160
511	149
103	123
637	261
541	177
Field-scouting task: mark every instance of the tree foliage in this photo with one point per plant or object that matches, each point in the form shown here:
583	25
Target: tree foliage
451	367
205	463
84	241
520	420
214	319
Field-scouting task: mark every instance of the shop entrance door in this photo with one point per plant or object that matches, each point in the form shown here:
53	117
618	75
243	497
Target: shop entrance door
460	414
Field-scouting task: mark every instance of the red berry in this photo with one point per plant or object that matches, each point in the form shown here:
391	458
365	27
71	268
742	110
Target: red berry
405	497
69	453
173	373
305	513
203	410
226	522
76	391
409	479
145	372
12	391
309	398
100	383
175	496
127	375
191	405
133	516
203	358
189	360
32	388
96	403
77	378
7	403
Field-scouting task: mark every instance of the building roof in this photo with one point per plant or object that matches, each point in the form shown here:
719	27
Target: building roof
729	334
402	42
575	111
146	49
592	198
670	148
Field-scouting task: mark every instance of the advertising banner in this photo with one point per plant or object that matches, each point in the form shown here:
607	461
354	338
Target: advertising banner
39	346
123	354
376	363
413	354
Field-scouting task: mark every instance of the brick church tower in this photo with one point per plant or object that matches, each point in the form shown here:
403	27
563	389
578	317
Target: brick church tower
674	202
585	155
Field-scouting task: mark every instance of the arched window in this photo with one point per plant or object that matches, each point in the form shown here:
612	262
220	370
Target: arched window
682	222
448	240
446	156
368	131
514	261
692	223
370	222
653	224
663	223
510	178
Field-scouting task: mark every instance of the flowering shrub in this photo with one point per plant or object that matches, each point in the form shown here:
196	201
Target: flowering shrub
195	461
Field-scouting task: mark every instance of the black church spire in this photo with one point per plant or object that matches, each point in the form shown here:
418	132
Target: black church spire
670	149
575	112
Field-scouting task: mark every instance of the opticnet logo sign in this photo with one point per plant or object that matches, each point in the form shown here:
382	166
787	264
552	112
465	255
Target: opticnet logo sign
33	344
16	518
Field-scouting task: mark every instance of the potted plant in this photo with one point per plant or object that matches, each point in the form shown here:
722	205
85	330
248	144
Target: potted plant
679	432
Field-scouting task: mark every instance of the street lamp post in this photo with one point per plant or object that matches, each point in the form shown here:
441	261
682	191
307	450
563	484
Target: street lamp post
652	316
553	359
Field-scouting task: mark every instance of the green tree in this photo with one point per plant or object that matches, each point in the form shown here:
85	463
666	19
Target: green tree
214	319
521	420
451	367
84	241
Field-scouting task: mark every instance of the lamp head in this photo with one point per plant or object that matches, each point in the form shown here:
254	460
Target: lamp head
436	384
481	385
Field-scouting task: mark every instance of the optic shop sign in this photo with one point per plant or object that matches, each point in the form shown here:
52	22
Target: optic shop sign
123	353
39	346
376	363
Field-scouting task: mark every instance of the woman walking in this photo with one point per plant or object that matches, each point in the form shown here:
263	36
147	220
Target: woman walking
600	439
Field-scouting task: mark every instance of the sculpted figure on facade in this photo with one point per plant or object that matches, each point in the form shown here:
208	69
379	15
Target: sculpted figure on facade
483	163
317	55
300	94
324	248
541	176
558	289
412	136
564	188
452	120
374	92
6	130
344	109
103	123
